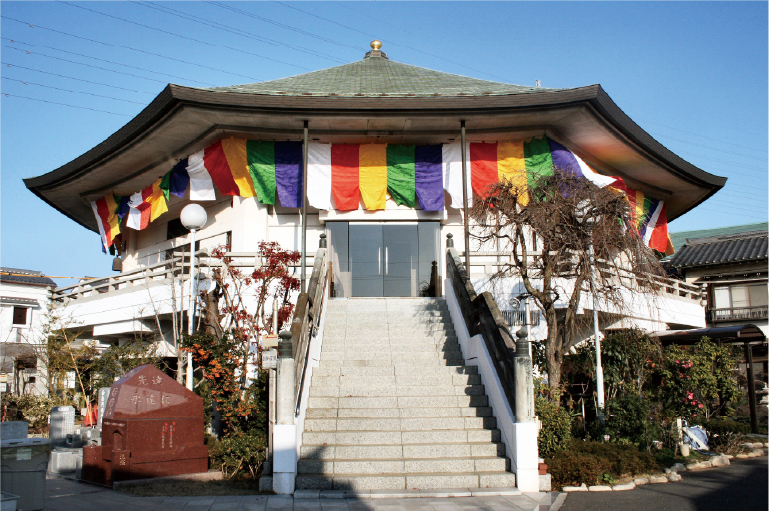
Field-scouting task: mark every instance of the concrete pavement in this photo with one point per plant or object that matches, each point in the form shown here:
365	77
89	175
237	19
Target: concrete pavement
740	486
68	495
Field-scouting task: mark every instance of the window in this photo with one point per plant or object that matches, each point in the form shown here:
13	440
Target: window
740	301
175	229
19	315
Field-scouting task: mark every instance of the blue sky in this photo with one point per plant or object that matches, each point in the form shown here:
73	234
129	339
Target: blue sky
694	75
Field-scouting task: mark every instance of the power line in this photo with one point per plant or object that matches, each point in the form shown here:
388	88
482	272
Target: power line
725	161
759	158
283	25
108	61
722	211
180	36
703	136
64	104
237	31
87	65
78	79
127	47
74	91
389	42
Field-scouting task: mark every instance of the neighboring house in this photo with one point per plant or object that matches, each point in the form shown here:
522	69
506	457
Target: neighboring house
732	264
25	298
383	145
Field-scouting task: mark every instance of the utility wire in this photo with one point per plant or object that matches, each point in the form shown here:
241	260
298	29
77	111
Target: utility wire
179	35
64	104
74	91
108	61
126	47
28	52
73	78
226	28
389	42
759	158
726	142
757	169
722	211
283	25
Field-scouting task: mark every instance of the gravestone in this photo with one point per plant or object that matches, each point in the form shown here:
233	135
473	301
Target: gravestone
152	427
13	430
102	403
62	424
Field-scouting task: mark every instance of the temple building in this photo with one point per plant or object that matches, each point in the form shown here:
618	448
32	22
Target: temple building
381	143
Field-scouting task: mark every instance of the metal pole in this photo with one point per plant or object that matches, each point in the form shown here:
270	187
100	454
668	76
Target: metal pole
192	304
751	389
304	209
463	138
598	367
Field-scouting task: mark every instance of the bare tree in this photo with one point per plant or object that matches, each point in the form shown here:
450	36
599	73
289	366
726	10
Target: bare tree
547	229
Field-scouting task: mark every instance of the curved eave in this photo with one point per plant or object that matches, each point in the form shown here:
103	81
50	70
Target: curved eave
175	98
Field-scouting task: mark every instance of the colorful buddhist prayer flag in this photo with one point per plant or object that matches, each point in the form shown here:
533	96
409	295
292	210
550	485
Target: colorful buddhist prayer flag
400	174
105	210
146	206
452	173
428	177
261	167
345	176
235	151
373	175
288	173
340	175
319	176
176	180
201	185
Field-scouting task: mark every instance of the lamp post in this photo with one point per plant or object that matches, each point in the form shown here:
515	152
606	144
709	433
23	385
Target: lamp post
583	208
193	217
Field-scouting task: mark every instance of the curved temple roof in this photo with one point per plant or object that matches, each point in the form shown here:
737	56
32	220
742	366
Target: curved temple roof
372	100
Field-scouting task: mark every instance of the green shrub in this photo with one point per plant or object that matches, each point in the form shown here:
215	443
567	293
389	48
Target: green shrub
719	426
238	453
32	409
555	434
593	462
628	421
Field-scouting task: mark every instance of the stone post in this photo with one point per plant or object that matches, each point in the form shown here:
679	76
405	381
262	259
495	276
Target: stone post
524	383
284	440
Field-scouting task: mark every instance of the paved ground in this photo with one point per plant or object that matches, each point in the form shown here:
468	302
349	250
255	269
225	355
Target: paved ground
67	495
741	486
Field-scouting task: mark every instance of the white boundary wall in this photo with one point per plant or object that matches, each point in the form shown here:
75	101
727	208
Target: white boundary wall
520	438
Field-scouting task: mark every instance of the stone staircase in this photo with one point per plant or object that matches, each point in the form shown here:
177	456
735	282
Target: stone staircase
392	405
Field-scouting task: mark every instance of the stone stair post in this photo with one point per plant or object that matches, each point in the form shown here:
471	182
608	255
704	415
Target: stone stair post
284	454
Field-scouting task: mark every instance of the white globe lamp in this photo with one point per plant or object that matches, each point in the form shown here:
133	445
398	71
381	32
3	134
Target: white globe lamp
193	217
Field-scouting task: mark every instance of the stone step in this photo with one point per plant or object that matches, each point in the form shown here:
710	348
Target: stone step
398	402
405	481
457	450
370	413
398	423
396	357
383	437
390	370
397	390
384	466
401	379
392	348
390	362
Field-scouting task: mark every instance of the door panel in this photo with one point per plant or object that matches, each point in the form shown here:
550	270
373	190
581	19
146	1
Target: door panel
366	259
401	250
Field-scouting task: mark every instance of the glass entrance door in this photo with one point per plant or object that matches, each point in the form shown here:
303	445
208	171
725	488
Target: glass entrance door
382	258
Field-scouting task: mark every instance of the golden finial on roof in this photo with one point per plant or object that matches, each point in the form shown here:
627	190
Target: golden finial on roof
376	44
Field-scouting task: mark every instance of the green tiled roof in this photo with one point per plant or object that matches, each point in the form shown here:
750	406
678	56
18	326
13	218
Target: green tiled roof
679	238
376	76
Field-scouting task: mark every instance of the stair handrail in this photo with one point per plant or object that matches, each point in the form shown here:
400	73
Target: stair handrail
306	318
482	316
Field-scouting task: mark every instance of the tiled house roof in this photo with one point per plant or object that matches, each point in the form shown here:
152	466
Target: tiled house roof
732	248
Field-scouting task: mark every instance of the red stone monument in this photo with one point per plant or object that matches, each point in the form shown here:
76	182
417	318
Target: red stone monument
152	427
